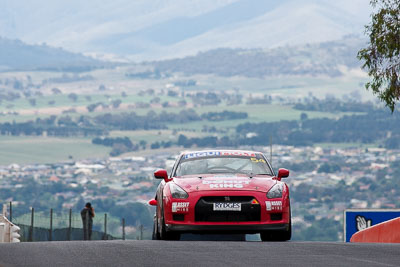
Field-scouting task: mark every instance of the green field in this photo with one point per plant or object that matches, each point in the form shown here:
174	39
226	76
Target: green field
151	136
22	150
47	149
257	114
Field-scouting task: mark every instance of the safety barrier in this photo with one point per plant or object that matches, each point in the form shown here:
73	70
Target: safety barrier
386	232
9	232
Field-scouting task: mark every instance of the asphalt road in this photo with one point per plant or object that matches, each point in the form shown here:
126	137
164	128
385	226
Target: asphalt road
197	253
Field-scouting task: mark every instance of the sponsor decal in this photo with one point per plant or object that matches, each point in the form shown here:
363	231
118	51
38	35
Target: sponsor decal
227	206
218	153
224	176
226	183
180	206
202	154
273	205
268	205
237	153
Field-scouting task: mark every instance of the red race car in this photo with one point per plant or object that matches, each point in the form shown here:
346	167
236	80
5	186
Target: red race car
222	191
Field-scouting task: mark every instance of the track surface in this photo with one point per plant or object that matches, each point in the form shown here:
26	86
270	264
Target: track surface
197	253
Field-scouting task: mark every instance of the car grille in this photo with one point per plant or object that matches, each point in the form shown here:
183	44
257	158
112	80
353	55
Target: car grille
249	212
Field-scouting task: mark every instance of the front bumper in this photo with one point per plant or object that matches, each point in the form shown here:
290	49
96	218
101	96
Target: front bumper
187	215
237	229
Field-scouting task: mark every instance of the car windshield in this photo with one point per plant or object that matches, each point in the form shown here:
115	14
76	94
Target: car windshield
254	164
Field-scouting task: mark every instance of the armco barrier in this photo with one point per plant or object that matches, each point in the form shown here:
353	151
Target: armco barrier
9	232
386	232
2	232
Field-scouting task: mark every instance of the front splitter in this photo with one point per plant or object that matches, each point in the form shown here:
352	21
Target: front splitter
245	229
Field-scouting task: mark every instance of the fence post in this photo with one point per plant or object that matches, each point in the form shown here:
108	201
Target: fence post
105	226
141	232
51	225
30	238
123	228
70	225
10	211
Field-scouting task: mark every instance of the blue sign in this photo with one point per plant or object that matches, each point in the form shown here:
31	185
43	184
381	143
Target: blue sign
359	219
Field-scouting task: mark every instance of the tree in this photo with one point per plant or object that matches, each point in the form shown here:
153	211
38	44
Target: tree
382	55
143	144
73	97
56	91
116	103
303	116
32	101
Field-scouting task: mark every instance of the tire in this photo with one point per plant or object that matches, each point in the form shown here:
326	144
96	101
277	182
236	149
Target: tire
164	234
156	234
284	235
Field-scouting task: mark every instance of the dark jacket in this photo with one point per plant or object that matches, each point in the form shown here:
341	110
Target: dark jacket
83	214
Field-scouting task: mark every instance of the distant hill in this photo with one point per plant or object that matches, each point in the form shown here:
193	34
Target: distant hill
326	58
162	29
16	55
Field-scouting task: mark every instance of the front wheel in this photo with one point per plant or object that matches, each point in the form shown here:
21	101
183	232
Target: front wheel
156	234
284	235
164	235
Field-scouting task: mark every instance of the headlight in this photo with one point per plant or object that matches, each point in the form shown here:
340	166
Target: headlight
275	191
177	192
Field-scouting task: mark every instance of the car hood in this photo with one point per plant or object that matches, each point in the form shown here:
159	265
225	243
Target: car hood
225	182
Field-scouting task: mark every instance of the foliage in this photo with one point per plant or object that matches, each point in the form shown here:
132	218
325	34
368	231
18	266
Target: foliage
329	168
316	59
323	229
348	129
224	115
100	124
16	55
73	97
334	105
382	56
119	145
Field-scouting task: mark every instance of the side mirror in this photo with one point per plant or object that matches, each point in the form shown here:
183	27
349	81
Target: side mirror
153	202
161	174
283	173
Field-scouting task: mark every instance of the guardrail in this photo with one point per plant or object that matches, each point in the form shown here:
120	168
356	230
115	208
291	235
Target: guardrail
385	232
9	232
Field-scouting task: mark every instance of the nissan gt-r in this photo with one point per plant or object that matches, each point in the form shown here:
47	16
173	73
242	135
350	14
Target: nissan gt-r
222	191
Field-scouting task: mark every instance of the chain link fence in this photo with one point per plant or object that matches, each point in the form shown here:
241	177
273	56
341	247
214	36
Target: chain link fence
64	225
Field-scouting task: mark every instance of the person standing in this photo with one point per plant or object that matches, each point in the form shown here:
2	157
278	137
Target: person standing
87	214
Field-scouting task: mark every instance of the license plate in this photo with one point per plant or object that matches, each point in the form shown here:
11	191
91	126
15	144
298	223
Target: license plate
227	206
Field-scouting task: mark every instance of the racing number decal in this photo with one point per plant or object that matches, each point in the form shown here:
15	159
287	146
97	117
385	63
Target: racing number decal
258	160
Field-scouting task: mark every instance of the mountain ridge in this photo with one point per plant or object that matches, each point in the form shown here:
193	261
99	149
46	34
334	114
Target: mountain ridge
331	59
168	29
17	55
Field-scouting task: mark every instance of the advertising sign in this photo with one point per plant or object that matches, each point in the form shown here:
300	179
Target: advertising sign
359	219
